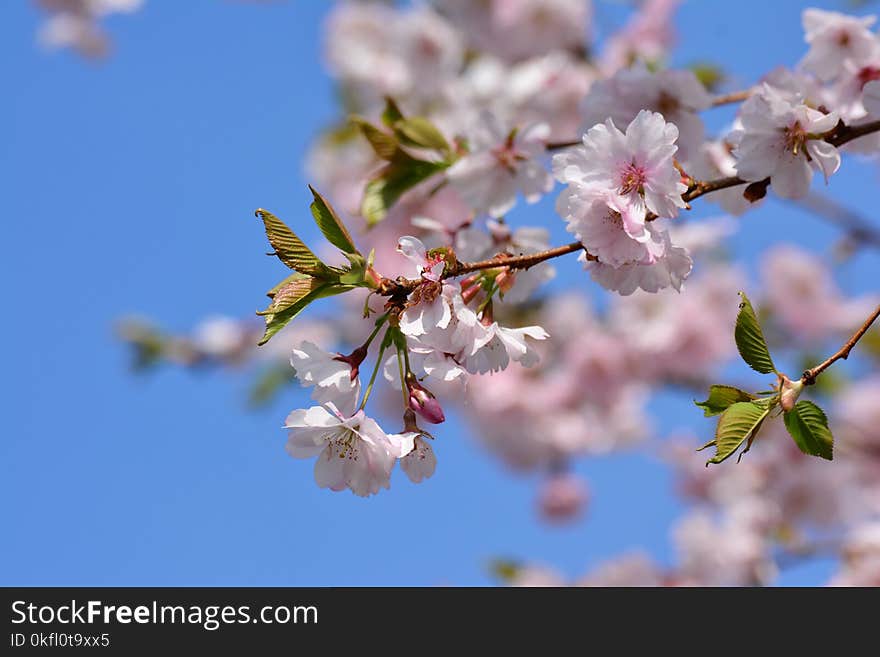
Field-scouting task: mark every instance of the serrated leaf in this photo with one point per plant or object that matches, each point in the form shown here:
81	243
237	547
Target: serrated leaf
399	176
277	321
290	249
330	224
289	294
740	422
750	339
721	397
295	276
419	131
808	425
391	114
384	145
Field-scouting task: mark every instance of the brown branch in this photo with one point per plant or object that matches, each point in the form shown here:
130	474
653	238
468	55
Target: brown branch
809	376
514	262
837	137
403	286
558	145
734	97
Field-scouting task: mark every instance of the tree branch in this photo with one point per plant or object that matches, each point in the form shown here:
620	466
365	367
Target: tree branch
837	137
809	376
734	97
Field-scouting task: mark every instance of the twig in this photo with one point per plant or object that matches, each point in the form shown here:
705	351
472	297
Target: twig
734	97
837	137
809	376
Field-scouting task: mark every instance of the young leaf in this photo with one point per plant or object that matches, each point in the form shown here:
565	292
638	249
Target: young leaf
290	293
356	274
391	114
419	131
721	397
740	422
277	321
384	145
289	248
808	425
750	339
399	176
330	224
295	276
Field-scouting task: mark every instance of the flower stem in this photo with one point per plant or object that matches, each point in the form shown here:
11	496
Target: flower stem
375	369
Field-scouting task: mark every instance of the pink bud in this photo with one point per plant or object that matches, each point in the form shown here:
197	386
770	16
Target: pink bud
423	402
789	391
505	280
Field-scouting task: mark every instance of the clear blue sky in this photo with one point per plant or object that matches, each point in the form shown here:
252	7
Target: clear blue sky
129	186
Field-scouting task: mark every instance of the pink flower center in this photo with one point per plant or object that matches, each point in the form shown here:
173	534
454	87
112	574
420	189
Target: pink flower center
508	157
632	178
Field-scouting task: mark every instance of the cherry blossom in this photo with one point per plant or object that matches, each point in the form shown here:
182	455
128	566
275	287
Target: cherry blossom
783	141
353	452
419	464
835	38
499	164
676	95
328	373
637	164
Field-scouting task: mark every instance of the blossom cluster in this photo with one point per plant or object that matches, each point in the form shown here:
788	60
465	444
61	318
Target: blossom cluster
461	111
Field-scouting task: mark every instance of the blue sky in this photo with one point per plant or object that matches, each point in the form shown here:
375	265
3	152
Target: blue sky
129	186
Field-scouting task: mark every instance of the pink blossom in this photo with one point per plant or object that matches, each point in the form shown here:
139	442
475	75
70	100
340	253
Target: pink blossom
353	452
637	164
500	164
835	38
782	140
676	95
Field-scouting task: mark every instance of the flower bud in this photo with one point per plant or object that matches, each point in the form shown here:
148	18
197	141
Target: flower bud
505	280
423	402
789	391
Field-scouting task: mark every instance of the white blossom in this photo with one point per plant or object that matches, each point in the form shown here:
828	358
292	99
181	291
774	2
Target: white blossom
835	38
500	164
782	140
353	452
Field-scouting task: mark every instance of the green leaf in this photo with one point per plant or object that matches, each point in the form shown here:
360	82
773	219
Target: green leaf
750	339
290	293
740	422
721	397
384	145
399	176
419	131
330	224
808	425
277	321
391	114
290	249
295	276
357	273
